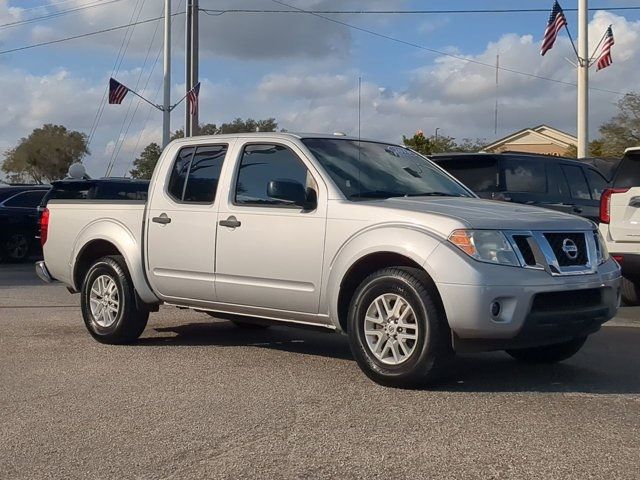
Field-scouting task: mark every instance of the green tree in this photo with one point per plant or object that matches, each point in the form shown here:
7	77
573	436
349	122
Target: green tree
419	143
45	155
146	162
441	144
623	130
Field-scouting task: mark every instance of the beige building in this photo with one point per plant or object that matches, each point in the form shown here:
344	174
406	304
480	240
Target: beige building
541	139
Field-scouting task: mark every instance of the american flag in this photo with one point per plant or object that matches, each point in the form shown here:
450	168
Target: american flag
604	60
556	22
117	91
192	96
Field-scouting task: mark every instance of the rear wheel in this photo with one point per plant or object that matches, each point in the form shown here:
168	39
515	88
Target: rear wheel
108	301
548	353
630	292
17	247
397	329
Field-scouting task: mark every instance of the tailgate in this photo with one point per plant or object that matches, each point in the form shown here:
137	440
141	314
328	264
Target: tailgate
624	225
624	208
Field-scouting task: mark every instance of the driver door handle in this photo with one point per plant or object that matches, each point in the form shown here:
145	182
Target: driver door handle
231	222
163	219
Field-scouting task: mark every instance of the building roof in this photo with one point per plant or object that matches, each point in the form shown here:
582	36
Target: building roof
542	134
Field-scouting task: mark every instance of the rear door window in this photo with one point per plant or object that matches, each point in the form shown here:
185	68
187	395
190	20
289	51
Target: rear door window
628	174
524	175
597	184
26	199
557	182
577	182
195	174
480	174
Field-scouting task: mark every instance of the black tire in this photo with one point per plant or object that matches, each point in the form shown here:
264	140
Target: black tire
130	321
548	353
630	292
432	349
16	247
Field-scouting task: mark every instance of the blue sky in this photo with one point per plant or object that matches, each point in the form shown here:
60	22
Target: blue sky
304	70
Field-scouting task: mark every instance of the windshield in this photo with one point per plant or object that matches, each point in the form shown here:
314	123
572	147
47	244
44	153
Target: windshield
376	170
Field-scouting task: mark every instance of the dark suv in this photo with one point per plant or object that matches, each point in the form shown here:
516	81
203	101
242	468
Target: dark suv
19	220
551	182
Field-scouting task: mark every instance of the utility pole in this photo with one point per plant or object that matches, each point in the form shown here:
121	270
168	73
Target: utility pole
195	54
166	103
583	78
187	72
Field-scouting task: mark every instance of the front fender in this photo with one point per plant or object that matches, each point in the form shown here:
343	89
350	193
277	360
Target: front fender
411	241
126	242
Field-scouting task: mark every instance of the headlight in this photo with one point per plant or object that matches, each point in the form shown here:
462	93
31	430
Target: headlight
489	246
601	247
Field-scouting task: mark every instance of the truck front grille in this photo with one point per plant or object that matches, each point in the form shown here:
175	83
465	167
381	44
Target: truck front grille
559	253
569	248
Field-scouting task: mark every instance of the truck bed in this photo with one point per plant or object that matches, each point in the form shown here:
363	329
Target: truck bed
72	223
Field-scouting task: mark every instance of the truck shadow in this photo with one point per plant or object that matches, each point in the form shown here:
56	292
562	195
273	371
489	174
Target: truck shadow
608	364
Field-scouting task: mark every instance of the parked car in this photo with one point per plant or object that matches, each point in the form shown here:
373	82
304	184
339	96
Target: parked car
620	222
341	234
561	184
97	189
19	220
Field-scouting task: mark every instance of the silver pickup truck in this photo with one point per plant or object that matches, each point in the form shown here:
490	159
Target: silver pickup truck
364	238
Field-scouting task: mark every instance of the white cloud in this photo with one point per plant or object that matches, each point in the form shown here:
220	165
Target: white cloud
450	94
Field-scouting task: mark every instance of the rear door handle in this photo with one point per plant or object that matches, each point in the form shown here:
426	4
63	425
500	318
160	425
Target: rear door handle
231	222
163	219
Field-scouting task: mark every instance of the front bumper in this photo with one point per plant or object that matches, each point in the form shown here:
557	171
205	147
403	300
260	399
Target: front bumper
42	272
530	314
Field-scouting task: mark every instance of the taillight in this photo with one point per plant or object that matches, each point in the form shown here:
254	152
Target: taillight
44	226
605	203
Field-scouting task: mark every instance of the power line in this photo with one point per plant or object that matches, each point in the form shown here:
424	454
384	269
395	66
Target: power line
211	11
82	35
439	52
57	14
114	71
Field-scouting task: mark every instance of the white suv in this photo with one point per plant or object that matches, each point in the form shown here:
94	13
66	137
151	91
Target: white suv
620	222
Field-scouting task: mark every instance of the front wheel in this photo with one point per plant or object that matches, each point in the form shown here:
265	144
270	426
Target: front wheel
108	302
548	353
397	329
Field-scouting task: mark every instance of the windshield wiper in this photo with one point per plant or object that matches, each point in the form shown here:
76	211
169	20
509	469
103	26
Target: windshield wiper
376	194
432	194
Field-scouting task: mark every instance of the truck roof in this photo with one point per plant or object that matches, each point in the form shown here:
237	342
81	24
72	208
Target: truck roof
277	135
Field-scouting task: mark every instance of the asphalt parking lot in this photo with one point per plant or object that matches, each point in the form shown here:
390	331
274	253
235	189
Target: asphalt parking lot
200	398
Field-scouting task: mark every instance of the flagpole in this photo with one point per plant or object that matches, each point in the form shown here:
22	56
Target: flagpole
583	78
166	104
595	51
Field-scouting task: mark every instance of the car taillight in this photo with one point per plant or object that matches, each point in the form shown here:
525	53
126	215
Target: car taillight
44	226
605	203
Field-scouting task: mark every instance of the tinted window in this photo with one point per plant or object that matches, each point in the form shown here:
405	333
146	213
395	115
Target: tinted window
204	174
577	182
524	175
365	170
479	174
628	174
557	183
119	191
597	183
262	163
26	199
179	173
196	173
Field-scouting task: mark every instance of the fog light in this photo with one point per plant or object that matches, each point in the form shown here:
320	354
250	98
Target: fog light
495	309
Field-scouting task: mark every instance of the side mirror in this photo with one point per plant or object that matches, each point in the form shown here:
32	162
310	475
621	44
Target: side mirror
292	192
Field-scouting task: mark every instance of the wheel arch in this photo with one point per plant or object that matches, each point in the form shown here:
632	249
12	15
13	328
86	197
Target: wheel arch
372	250
102	239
